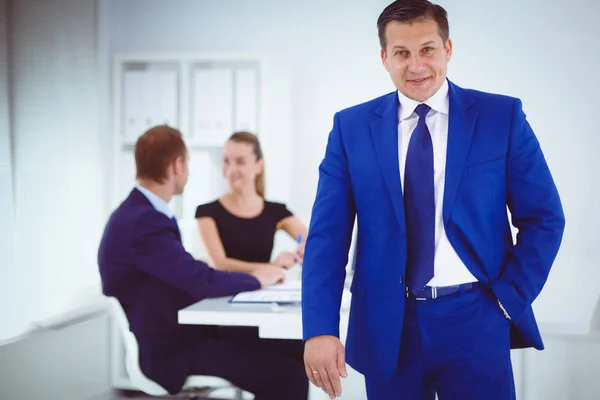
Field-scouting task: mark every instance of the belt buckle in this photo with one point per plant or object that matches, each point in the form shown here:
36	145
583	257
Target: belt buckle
433	294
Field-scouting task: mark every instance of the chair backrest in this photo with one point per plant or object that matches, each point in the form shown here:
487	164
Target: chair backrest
137	377
595	324
352	250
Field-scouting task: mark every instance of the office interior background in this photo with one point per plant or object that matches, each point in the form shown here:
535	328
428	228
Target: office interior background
70	71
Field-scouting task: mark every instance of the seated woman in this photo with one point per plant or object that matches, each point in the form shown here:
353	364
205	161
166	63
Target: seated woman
238	229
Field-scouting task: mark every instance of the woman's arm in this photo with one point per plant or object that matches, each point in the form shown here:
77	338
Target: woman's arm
212	242
295	228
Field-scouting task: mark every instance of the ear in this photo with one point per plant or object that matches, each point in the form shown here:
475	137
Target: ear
177	165
384	60
448	49
260	166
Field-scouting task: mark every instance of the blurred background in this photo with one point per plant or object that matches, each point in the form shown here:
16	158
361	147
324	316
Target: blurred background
80	80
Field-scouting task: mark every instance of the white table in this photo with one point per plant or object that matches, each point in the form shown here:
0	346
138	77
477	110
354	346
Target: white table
273	322
285	322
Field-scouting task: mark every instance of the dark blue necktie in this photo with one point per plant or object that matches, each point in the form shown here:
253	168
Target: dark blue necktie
175	222
419	205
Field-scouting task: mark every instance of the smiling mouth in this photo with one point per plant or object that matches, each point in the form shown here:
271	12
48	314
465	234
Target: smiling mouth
418	82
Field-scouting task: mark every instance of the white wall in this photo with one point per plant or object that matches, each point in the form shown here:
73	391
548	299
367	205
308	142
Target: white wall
7	237
329	66
547	55
59	177
567	369
324	56
317	63
537	50
304	80
533	50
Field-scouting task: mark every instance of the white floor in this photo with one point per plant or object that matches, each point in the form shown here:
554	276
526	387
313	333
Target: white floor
72	364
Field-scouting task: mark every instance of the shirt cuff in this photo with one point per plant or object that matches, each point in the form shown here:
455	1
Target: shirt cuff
504	310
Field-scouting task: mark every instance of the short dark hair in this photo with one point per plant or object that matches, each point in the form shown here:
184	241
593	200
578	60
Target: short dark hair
408	11
155	150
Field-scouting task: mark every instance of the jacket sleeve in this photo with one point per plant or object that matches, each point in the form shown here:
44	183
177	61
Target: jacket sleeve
328	242
537	213
158	251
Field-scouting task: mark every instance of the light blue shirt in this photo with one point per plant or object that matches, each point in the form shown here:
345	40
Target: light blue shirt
159	204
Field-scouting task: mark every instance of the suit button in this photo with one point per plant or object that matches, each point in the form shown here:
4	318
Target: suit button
401	280
401	233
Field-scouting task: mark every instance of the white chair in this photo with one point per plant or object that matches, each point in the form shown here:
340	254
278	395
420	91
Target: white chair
595	324
204	385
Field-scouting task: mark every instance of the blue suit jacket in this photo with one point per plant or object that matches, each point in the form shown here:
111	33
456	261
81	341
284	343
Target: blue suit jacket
144	265
493	160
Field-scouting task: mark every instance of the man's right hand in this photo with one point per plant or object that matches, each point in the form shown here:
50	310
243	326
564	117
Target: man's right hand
325	362
269	275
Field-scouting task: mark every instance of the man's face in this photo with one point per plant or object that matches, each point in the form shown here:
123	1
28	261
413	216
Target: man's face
416	57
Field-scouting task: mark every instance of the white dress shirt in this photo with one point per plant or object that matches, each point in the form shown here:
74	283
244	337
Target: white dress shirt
448	267
159	204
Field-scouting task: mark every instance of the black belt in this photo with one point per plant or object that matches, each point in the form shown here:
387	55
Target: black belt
433	292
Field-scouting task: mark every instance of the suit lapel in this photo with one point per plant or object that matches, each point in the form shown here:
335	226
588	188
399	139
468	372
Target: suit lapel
461	124
384	132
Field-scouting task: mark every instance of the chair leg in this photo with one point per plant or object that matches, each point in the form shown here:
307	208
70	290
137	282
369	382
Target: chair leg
238	394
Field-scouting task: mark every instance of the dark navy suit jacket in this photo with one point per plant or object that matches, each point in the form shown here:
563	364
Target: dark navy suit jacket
145	266
493	161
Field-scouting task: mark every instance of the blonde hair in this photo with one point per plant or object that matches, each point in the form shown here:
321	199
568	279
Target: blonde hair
252	139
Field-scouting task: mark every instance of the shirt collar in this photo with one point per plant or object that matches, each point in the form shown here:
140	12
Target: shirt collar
439	102
159	204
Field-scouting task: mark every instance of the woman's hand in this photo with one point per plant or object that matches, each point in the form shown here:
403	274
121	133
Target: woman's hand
286	259
300	252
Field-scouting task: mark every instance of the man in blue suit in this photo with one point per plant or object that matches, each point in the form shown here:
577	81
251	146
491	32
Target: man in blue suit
440	292
145	266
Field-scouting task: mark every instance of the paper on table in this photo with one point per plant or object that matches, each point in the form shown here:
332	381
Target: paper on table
287	285
268	296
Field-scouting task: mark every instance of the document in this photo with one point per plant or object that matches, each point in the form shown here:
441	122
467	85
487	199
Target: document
287	285
279	296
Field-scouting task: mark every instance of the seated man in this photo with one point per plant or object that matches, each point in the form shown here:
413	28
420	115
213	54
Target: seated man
145	266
